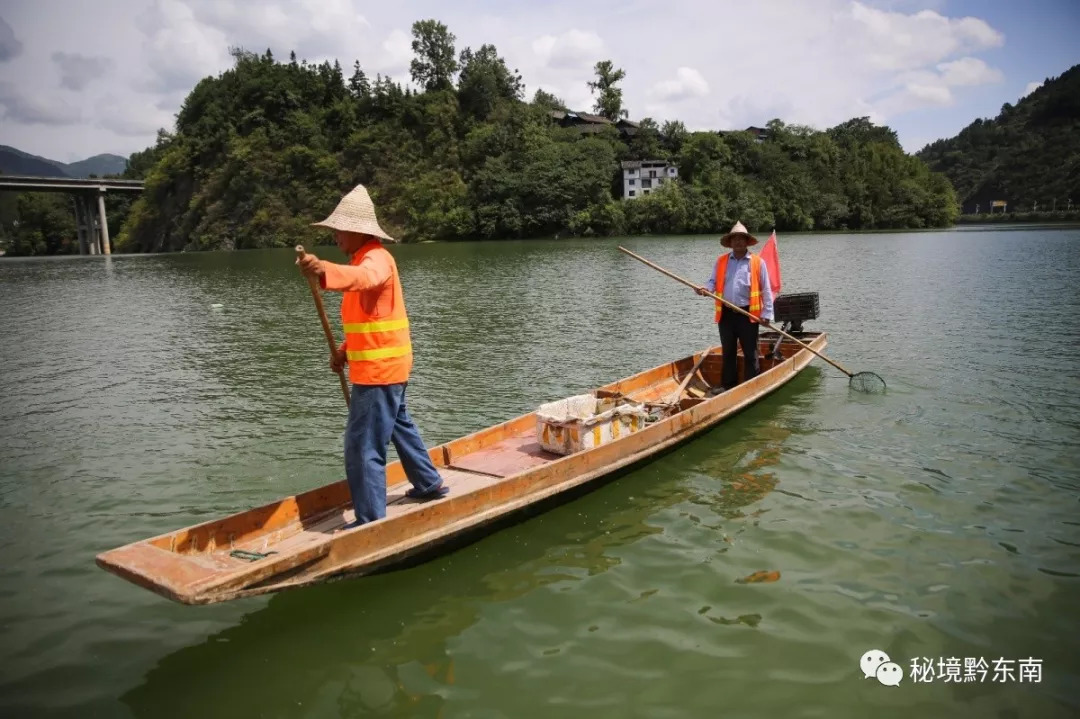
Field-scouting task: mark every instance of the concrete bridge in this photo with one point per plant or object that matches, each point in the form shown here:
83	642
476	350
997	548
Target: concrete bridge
93	231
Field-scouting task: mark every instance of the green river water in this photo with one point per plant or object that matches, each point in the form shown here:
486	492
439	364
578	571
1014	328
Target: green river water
937	521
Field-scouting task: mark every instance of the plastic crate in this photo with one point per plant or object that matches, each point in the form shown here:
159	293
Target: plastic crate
797	307
582	422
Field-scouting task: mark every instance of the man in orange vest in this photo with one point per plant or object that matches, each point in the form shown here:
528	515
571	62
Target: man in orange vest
378	350
744	280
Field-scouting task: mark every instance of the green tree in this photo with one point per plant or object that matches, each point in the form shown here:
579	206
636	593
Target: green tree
672	135
606	87
485	81
646	143
1028	154
861	130
434	66
45	225
359	87
548	101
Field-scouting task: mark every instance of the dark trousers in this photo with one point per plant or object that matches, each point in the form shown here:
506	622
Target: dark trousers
737	329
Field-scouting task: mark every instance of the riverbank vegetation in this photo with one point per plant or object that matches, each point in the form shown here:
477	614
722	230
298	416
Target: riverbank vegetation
268	146
1028	157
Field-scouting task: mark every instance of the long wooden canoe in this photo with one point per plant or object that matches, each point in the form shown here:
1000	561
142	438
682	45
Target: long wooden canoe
496	475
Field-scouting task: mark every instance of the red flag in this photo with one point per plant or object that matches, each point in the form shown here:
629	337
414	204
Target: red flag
772	263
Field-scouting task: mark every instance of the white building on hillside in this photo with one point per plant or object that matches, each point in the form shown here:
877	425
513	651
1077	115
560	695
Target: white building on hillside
640	177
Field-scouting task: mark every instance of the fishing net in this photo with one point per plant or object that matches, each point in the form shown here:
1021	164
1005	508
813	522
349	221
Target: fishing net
867	382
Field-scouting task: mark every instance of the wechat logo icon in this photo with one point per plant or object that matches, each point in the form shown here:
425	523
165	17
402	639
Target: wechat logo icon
876	663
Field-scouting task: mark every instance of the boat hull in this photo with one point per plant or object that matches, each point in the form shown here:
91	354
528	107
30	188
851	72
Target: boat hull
497	476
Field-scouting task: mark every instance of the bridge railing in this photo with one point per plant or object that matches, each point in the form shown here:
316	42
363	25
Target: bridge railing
66	184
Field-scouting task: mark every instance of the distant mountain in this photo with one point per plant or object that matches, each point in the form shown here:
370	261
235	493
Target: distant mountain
17	162
99	165
1030	153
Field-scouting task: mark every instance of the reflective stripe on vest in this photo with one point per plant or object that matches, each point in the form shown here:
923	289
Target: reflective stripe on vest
755	285
377	326
380	353
379	349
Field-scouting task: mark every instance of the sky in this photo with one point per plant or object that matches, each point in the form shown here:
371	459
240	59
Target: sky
81	78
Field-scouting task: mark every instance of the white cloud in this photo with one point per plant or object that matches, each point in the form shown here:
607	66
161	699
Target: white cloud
968	71
931	94
179	48
35	108
77	71
898	41
1031	87
560	63
137	121
397	55
711	65
688	83
927	88
315	29
572	50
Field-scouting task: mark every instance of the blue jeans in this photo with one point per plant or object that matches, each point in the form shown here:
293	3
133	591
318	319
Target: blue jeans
377	416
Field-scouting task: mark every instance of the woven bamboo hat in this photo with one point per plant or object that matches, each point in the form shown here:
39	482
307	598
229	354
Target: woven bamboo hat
355	213
738	229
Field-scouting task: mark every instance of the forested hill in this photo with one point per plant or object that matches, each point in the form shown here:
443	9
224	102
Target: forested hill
267	147
1028	154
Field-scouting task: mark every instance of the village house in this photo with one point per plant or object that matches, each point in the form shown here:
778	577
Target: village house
585	123
640	177
758	133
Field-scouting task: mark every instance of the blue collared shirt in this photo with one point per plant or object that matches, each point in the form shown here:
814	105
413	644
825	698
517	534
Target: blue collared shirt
737	285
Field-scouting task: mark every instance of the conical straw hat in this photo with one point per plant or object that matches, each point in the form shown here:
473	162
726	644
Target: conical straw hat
355	213
738	229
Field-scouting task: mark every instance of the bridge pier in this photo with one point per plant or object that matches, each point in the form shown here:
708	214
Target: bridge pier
81	229
78	225
104	222
87	230
93	231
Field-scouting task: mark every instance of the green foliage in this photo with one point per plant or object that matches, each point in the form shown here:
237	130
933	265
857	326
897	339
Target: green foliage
1028	154
998	218
45	225
548	101
485	81
266	148
434	66
9	218
647	143
609	94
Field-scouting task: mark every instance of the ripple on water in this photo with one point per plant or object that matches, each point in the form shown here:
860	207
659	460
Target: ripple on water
935	519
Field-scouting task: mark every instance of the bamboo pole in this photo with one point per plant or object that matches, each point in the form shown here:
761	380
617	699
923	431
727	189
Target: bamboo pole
317	296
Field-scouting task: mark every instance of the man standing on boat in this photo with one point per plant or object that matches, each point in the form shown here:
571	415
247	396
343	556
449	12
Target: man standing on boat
378	350
745	284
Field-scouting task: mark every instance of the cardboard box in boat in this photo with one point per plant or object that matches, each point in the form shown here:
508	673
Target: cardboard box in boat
583	421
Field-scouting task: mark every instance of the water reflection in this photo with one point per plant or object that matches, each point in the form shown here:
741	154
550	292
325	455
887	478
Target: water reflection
753	444
384	645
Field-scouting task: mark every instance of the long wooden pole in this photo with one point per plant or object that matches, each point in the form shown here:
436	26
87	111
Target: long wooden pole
736	308
315	294
689	376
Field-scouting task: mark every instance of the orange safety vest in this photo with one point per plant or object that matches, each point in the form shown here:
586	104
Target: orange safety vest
377	339
755	284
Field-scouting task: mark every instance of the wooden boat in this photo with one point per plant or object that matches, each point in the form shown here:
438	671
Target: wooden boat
495	476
